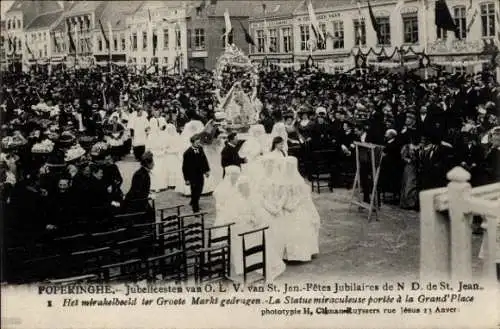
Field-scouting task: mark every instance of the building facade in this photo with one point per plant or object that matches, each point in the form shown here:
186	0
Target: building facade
410	26
157	35
39	47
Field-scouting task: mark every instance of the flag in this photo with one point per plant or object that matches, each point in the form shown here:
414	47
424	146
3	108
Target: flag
443	19
229	28
110	34
106	40
28	49
150	28
77	39
314	23
360	20
375	25
248	37
71	47
471	19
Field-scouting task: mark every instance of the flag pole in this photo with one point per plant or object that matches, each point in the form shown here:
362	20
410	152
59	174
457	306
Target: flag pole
424	11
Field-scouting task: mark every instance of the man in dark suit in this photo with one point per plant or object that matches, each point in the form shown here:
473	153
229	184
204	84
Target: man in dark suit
229	154
194	168
137	197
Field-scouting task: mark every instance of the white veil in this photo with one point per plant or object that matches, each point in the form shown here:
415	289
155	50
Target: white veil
191	128
254	145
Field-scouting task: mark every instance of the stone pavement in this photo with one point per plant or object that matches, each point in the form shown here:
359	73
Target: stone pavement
349	244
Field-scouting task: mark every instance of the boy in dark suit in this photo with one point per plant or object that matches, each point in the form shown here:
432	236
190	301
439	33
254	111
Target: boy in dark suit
194	168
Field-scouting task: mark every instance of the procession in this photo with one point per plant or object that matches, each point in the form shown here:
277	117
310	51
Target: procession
112	174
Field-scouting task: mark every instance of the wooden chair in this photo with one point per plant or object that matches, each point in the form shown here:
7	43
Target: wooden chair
131	270
136	248
220	240
88	261
163	211
131	218
40	268
321	167
212	264
70	243
107	238
170	241
75	279
167	267
253	250
193	236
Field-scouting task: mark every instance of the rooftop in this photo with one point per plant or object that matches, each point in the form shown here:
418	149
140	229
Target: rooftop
45	20
115	12
275	8
42	6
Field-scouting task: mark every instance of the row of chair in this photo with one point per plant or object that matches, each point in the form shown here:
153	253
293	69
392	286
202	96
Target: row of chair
174	247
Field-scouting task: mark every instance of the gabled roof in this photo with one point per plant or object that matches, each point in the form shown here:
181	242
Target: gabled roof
45	20
341	4
241	8
275	8
165	4
82	7
116	13
17	5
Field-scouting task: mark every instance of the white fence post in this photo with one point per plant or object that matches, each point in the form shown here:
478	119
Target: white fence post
461	233
434	239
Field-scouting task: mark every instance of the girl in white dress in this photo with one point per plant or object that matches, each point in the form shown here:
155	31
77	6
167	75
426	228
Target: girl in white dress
255	145
155	144
301	219
247	214
223	194
172	160
279	130
271	191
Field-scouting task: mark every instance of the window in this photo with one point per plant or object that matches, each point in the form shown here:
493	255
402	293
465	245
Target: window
40	53
165	39
115	43
287	39
144	40
34	36
441	33
384	24
488	19
144	60
229	39
359	33
273	40
177	37
322	44
8	24
260	41
124	43
19	45
189	37
338	34
199	38
19	24
460	14
165	60
99	44
304	37
45	51
410	28
44	36
134	41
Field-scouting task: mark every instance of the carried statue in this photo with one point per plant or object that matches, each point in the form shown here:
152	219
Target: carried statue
236	79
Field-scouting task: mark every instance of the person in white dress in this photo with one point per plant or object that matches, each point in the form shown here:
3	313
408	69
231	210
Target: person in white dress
247	214
172	160
301	219
140	125
279	130
223	194
155	144
255	145
270	187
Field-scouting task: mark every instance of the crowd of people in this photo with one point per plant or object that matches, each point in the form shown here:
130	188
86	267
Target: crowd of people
63	134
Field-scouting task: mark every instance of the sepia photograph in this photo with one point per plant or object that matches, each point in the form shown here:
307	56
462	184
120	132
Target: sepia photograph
171	147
